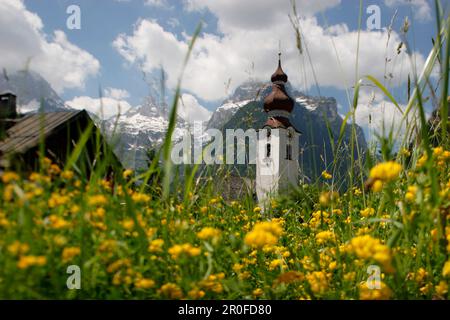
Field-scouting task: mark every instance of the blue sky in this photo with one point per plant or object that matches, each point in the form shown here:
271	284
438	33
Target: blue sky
102	21
120	38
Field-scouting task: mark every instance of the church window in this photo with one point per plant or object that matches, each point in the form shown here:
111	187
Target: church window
288	152
268	150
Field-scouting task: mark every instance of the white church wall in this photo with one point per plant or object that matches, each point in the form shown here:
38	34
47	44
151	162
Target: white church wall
276	174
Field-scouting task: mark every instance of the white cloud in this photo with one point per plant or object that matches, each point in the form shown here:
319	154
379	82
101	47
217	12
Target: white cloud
156	3
216	59
190	109
421	8
337	29
173	22
118	94
24	44
104	108
378	116
238	14
31	106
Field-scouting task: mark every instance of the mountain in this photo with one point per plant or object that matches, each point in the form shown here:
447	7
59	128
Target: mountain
243	94
312	116
144	127
32	92
139	129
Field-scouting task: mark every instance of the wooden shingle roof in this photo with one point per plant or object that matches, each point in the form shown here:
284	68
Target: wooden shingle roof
27	132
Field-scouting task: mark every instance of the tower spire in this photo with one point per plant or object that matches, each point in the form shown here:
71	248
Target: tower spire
279	75
278	99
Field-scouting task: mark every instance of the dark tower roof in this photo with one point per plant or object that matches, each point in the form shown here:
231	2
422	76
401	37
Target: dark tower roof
278	104
278	99
279	74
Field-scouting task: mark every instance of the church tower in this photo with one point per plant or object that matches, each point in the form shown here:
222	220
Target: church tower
277	167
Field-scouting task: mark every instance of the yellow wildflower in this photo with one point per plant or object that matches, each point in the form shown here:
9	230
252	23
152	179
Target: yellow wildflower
54	169
128	224
274	264
9	176
196	294
29	261
171	291
212	283
58	222
357	191
426	288
156	245
74	209
405	152
377	186
289	277
410	195
325	236
237	267
264	233
18	248
69	253
258	292
127	173
177	250
57	200
326	175
108	245
317	281
68	175
421	161
140	198
144	283
367	212
366	247
366	293
59	240
116	265
337	212
420	275
213	201
441	288
328	197
208	233
386	171
97	200
319	217
350	276
446	269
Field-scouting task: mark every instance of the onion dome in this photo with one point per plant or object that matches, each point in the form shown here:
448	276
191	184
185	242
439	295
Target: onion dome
279	74
278	99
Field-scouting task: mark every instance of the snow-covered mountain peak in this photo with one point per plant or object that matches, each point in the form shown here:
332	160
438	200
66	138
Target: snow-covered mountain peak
33	92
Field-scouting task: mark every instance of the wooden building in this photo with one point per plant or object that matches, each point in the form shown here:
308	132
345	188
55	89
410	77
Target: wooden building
56	135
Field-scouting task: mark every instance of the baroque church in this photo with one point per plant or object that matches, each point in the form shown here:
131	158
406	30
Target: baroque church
277	166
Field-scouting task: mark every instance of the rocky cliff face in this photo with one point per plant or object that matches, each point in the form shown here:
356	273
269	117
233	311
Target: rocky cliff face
33	92
243	94
139	129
